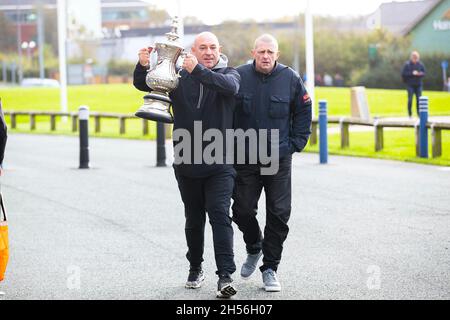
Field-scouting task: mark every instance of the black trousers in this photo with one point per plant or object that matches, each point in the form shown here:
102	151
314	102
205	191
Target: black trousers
212	195
417	91
247	191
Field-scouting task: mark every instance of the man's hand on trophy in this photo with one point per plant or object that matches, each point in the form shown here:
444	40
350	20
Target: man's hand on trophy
144	56
190	62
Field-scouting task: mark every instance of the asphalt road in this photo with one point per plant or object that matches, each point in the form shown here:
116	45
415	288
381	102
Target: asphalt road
360	228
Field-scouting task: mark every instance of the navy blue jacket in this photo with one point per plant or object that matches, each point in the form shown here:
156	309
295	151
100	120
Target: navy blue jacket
275	101
407	73
204	95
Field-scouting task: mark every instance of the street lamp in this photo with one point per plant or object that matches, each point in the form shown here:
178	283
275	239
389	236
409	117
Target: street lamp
62	33
29	46
309	39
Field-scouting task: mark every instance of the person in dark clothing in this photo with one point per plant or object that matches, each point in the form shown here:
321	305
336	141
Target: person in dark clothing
204	99
271	96
412	74
3	137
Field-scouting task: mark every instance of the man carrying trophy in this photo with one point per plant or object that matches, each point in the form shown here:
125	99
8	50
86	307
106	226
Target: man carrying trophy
204	95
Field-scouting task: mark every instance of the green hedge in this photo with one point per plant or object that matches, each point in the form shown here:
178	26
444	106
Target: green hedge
386	74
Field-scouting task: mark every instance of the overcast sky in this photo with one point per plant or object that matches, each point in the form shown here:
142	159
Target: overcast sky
213	12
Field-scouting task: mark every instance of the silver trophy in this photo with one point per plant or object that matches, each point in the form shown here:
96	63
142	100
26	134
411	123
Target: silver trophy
162	79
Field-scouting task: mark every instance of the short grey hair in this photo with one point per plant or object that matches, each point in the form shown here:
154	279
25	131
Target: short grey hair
415	53
266	38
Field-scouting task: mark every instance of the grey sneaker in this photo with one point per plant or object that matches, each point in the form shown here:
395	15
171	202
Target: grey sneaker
250	265
271	283
195	279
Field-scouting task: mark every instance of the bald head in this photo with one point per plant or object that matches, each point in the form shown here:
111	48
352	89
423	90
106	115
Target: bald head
206	49
206	36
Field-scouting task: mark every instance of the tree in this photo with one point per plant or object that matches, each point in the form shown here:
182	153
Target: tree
158	17
192	21
236	46
50	29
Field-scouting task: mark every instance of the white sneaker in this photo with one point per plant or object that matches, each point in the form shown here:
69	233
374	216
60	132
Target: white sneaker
271	283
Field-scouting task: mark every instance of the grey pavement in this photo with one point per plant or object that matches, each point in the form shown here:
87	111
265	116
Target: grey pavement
360	228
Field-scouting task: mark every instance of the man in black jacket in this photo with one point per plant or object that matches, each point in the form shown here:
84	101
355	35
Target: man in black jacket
204	100
271	96
413	73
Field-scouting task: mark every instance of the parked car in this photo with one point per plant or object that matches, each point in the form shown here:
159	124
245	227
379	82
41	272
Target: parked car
37	82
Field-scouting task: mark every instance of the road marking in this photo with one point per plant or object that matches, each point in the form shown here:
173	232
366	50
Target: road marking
447	169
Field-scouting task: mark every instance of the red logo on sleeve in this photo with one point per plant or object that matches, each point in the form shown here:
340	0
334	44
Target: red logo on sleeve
306	98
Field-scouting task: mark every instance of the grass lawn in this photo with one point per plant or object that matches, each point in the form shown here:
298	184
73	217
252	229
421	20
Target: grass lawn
118	98
384	103
124	98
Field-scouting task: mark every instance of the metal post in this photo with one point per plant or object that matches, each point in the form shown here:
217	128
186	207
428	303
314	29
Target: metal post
423	111
309	47
83	112
41	40
13	73
296	62
62	34
19	42
4	72
323	139
160	145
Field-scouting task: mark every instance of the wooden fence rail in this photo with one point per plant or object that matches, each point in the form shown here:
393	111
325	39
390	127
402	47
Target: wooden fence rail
379	125
97	116
343	122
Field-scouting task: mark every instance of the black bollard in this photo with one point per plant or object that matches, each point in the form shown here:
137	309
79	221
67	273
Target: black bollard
160	145
83	116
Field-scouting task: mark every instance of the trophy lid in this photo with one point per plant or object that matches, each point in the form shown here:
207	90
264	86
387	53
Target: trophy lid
173	35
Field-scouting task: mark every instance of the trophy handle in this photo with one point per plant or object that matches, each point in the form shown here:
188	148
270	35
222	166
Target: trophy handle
182	55
151	50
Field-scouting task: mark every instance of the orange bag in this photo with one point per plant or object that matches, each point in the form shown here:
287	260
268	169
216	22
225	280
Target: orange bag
4	251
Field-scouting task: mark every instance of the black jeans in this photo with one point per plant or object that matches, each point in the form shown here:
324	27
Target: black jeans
213	195
247	191
417	91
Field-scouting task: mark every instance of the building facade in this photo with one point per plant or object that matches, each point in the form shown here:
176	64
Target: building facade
430	33
426	22
111	16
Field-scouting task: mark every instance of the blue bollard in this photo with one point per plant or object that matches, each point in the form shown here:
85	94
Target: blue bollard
423	137
323	138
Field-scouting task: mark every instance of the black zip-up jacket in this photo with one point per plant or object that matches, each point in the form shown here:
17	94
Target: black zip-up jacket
204	95
275	101
407	73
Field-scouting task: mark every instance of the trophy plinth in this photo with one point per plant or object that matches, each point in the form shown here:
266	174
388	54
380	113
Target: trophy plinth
162	79
156	108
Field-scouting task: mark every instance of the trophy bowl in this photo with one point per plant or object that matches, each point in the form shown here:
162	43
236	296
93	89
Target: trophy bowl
162	79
